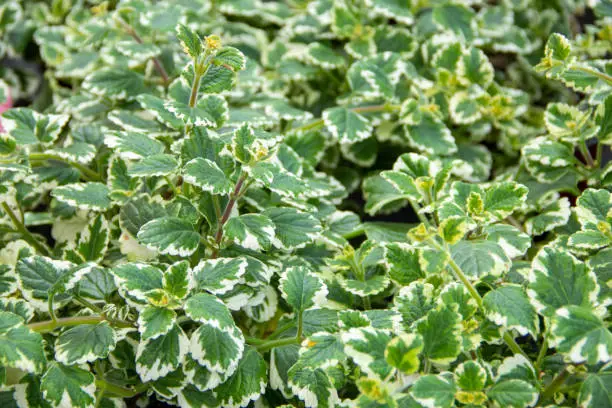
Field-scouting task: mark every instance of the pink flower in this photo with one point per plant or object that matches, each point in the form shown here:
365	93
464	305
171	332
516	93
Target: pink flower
6	105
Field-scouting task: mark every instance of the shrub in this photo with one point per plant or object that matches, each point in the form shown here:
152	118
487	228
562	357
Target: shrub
331	203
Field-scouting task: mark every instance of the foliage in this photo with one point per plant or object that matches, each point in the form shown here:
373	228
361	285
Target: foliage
196	203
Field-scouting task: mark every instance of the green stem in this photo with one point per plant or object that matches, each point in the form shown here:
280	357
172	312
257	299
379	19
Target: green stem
281	330
300	327
87	303
355	233
584	150
254	340
541	354
366	303
601	75
515	223
193	97
228	211
421	216
427	367
172	186
510	342
87	173
50	325
310	126
27	235
158	66
117	390
217	206
555	384
599	153
50	307
276	343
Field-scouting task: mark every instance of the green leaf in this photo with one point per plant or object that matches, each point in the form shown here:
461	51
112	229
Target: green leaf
137	211
251	231
464	108
247	383
581	335
136	279
593	207
502	199
453	229
115	83
455	293
30	127
220	275
217	348
589	240
19	307
155	165
155	321
558	279
548	160
414	302
394	9
369	81
156	107
136	51
383	194
366	346
170	385
169	235
403	352
470	376
595	390
8	280
85	343
217	79
68	386
230	57
478	259
190	41
517	367
37	277
78	152
553	215
93	240
441	331
322	350
431	136
132	145
312	386
177	279
455	18
556	53
508	306
301	288
216	107
156	357
402	262
20	347
208	309
435	390
562	120
474	68
84	196
207	175
197	115
346	126
514	394
294	229
323	56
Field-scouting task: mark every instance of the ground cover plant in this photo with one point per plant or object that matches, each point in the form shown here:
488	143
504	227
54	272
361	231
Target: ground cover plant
349	203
